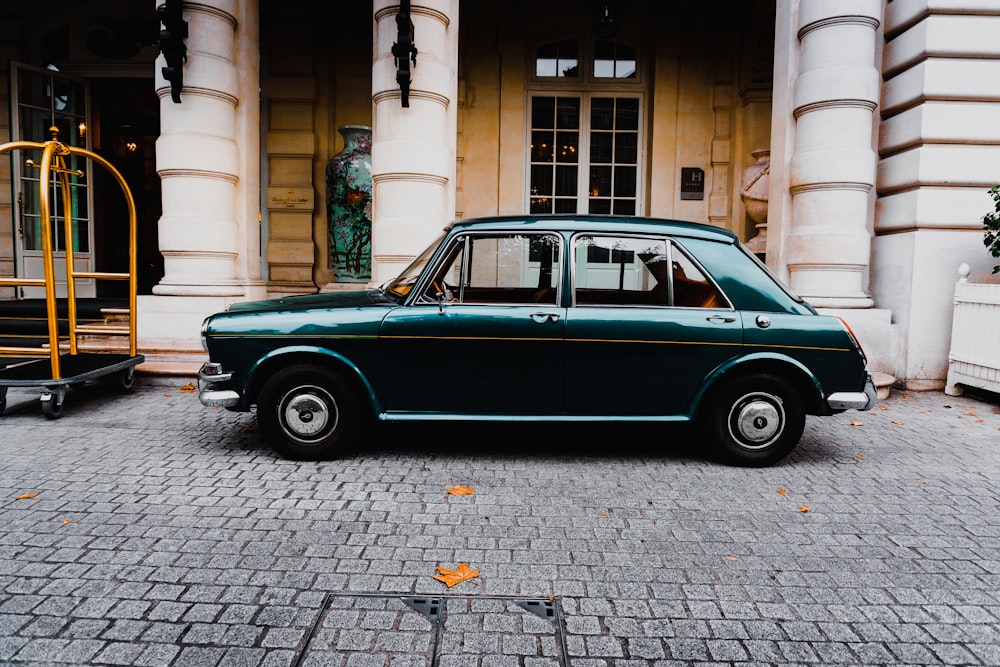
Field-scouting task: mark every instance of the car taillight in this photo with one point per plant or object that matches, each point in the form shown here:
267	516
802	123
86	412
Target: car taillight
854	337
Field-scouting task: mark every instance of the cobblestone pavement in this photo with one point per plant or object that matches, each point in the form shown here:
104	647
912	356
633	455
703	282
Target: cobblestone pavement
144	529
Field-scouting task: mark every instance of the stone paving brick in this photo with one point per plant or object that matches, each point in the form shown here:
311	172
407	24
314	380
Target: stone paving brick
200	546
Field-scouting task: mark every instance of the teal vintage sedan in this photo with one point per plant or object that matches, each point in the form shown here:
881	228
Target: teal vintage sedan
544	318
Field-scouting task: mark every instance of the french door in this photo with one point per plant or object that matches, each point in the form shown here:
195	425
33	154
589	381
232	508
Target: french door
584	153
42	99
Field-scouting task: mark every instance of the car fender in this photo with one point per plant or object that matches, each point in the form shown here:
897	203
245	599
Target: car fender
757	361
337	359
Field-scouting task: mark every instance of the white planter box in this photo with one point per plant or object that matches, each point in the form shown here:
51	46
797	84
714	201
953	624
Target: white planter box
974	359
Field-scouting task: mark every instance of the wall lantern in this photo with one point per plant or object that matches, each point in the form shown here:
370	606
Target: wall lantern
173	32
607	16
403	50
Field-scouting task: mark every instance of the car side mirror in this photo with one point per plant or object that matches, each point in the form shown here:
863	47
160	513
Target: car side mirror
442	298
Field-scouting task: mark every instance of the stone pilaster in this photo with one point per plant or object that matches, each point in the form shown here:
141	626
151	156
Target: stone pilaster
939	145
413	148
832	170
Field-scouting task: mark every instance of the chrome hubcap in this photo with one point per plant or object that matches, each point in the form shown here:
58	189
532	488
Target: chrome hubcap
756	420
308	413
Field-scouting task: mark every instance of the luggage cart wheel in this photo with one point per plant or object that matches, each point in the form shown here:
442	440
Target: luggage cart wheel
126	379
52	405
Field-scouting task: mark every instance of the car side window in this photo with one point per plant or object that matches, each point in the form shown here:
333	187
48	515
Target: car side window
691	289
620	271
638	271
499	269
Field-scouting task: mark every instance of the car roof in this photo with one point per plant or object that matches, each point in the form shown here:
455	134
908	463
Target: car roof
595	223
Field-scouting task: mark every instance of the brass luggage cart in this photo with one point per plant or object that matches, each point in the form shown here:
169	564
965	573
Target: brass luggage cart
60	365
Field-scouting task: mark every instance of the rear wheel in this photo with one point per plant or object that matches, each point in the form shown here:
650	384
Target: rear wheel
756	420
309	413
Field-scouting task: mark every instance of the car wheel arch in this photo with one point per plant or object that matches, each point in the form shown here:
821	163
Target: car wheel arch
785	368
269	364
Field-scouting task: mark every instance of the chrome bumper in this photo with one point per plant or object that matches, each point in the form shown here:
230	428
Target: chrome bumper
209	375
854	400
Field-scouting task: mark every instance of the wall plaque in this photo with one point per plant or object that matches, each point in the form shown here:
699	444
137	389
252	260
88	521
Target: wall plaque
294	198
692	183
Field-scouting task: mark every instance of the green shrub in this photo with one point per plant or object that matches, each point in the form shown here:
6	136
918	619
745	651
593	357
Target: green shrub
991	227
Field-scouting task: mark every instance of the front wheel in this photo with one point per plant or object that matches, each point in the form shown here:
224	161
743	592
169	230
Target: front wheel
756	420
309	413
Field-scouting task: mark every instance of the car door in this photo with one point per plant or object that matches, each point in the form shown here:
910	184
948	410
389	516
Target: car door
643	345
484	335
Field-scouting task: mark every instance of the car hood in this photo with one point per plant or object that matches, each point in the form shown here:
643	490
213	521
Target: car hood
352	299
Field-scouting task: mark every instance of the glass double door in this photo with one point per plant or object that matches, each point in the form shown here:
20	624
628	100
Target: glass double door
43	99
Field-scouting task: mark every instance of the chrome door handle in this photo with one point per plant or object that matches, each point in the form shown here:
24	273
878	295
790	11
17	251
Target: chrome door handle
541	317
718	319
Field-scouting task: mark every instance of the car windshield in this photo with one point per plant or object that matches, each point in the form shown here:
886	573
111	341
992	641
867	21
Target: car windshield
402	284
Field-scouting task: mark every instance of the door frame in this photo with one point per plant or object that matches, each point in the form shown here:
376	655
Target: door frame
28	263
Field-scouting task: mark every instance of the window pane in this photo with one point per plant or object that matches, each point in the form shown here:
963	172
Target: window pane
626	149
568	113
541	205
602	110
543	113
545	67
627	115
566	146
600	206
624	207
558	59
600	181
541	180
624	182
566	205
612	60
541	146
600	147
566	181
625	60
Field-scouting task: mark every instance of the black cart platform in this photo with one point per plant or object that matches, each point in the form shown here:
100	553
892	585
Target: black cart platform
76	369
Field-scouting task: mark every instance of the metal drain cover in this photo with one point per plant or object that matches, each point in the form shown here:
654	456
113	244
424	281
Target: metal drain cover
428	630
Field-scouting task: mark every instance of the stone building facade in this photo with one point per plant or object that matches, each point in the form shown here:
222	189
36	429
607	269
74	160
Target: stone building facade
878	118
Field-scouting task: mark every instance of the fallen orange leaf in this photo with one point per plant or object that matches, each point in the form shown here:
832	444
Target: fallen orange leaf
782	491
168	395
859	457
26	496
188	388
883	407
803	508
980	421
65	521
461	490
920	481
451	577
905	398
970	414
857	423
731	558
897	423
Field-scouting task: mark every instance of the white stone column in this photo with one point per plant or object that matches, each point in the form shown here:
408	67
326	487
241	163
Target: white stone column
832	171
413	148
198	161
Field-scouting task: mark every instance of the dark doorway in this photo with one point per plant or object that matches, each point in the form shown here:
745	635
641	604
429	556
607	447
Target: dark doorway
126	117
